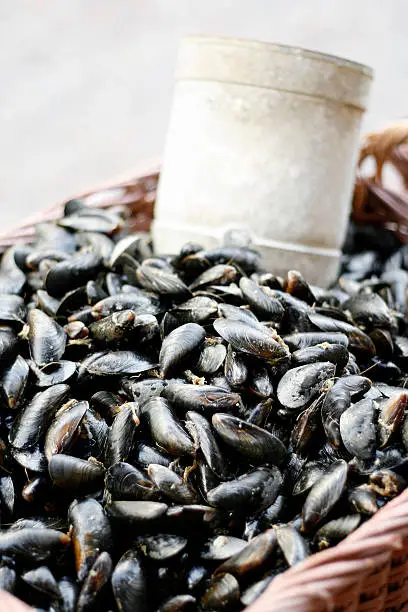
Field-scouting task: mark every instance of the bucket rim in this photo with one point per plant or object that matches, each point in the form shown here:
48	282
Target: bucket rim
284	49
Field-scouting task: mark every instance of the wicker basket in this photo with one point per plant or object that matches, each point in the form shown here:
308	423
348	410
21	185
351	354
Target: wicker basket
368	571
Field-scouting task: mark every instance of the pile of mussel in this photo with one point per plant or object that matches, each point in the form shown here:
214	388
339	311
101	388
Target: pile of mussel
178	430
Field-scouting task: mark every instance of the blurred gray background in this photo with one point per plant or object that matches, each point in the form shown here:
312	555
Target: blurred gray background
86	85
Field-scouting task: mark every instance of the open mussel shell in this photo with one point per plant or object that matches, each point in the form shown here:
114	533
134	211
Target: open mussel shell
137	245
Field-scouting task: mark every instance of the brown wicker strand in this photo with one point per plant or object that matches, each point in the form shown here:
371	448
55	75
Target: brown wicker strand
367	572
374	203
134	198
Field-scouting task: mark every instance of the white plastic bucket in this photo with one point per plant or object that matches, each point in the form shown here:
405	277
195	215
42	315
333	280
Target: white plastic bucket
262	137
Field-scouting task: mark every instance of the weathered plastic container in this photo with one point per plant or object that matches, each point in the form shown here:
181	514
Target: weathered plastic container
262	137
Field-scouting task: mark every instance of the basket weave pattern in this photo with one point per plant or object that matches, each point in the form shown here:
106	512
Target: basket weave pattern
368	571
134	198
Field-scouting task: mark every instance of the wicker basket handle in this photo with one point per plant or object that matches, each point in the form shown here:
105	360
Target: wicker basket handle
373	203
382	146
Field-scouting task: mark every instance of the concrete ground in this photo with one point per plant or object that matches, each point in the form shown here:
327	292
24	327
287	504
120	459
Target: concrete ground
86	85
